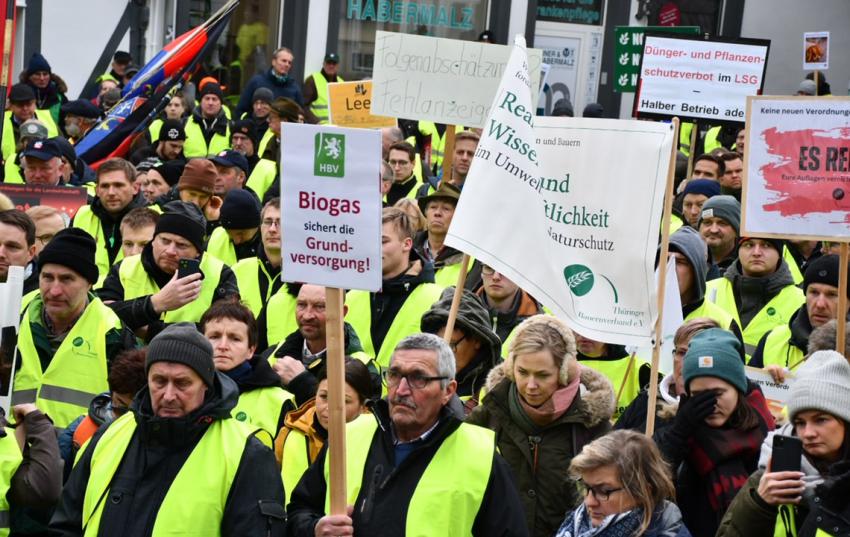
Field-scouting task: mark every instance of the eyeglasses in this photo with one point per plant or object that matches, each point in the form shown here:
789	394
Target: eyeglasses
416	381
487	271
269	222
44	239
453	344
598	492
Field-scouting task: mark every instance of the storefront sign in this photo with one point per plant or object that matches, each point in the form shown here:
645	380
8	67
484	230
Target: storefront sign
699	80
797	175
571	11
414	13
330	195
628	47
441	80
350	105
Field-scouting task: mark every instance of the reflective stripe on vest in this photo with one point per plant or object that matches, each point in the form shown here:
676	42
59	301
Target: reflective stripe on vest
449	493
196	145
261	409
778	349
10	460
86	220
319	107
775	313
294	460
77	371
221	247
9	143
406	322
447	275
262	177
138	283
712	311
615	371
211	468
280	317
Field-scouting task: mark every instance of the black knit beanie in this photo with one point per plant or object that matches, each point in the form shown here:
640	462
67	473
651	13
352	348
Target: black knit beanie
184	219
240	210
182	343
824	269
72	248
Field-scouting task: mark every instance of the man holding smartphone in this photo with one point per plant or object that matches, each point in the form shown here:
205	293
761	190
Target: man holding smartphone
173	279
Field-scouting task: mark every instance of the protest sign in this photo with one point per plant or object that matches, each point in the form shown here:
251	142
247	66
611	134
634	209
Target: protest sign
695	79
66	199
330	195
441	80
11	292
350	104
815	50
797	175
628	48
774	392
575	228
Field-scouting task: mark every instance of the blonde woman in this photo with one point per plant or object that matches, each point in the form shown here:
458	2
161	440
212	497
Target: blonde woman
627	490
412	209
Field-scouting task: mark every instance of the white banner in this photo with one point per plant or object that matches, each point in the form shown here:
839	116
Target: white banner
697	79
441	80
330	206
575	228
797	176
10	295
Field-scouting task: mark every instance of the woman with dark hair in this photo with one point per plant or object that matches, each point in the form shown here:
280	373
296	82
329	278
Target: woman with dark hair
778	502
305	430
714	441
627	490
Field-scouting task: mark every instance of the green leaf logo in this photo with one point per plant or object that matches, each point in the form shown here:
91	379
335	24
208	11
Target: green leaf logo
579	279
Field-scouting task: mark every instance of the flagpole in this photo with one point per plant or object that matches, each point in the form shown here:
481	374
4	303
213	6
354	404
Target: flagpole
8	43
662	280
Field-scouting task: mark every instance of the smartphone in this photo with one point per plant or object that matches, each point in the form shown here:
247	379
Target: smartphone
787	454
187	267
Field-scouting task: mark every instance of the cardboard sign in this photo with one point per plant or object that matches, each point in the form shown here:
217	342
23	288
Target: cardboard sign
587	255
775	393
628	49
441	80
330	194
815	50
11	292
699	80
350	105
797	167
66	199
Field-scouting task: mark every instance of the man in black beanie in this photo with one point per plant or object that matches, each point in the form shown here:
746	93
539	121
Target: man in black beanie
228	482
145	290
244	139
784	347
238	234
68	336
168	147
207	130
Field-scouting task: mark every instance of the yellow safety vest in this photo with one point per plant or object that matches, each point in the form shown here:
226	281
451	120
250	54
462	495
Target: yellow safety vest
195	144
86	220
13	173
261	408
449	493
249	290
264	142
406	322
712	311
280	317
792	265
10	460
294	460
211	468
9	140
261	179
615	371
786	522
778	349
137	283
77	372
319	107
446	276
685	130
775	313
675	223
221	247
711	142
156	126
29	297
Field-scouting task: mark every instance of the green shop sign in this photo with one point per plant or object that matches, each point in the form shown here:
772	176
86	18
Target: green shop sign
412	13
571	11
628	48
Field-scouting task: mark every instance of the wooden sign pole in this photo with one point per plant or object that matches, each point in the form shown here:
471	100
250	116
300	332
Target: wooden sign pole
691	153
448	153
461	281
662	281
336	399
841	317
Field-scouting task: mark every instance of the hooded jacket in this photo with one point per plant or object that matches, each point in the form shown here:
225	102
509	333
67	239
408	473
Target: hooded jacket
545	488
472	320
523	307
752	294
156	453
688	242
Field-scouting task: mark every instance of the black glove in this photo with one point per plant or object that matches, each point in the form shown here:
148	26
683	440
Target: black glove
693	411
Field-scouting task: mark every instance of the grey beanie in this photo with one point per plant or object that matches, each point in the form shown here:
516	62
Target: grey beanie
689	243
725	207
181	343
823	383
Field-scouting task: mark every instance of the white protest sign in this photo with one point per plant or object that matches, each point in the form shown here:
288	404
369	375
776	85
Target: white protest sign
797	167
697	79
441	80
10	294
774	392
331	206
815	50
576	229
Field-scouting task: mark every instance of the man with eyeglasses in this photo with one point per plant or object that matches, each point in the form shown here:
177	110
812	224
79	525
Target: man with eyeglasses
402	159
48	222
411	451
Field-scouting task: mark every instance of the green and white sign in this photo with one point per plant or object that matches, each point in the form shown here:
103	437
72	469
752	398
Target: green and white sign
331	202
628	47
575	228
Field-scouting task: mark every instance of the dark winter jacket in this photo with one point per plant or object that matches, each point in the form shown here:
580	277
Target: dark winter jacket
540	462
157	451
634	417
523	307
100	412
111	224
281	86
498	516
261	376
832	514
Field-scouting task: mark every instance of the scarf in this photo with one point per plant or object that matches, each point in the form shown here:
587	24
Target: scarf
240	372
577	524
531	419
724	458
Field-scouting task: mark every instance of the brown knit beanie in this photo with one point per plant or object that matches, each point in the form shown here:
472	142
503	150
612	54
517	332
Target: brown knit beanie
199	174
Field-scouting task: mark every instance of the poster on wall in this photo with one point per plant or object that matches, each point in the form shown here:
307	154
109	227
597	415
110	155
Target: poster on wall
562	55
815	51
